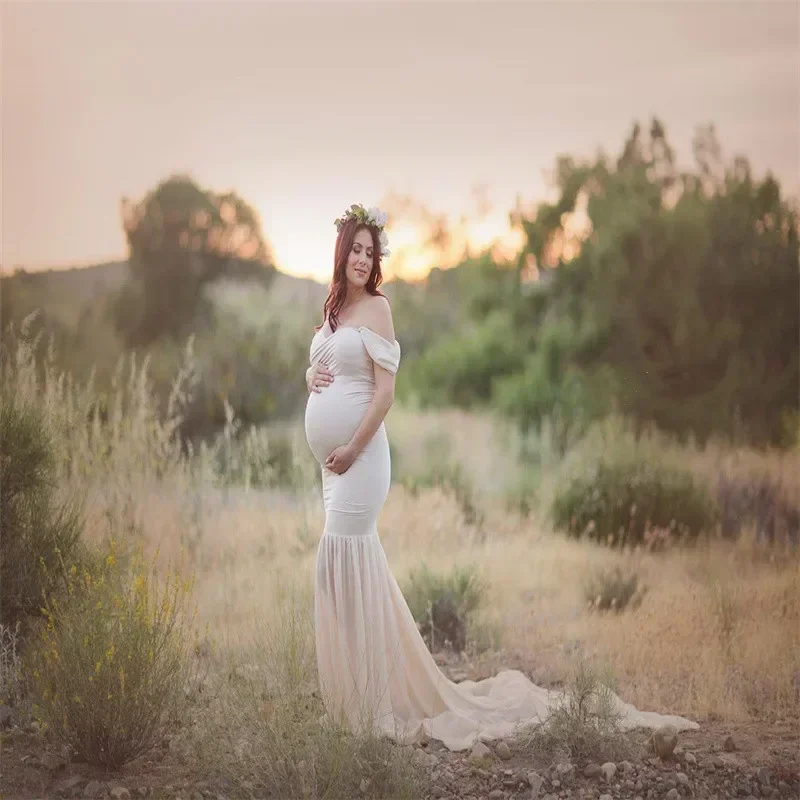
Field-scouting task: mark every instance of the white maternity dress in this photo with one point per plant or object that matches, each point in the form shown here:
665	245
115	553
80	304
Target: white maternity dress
374	667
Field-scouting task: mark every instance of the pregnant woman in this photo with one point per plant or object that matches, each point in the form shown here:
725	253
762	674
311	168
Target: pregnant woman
375	671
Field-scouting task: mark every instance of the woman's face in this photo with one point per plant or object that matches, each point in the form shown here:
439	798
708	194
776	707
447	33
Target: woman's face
359	262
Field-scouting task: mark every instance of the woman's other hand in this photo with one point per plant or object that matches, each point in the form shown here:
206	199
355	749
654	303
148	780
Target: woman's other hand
317	377
341	459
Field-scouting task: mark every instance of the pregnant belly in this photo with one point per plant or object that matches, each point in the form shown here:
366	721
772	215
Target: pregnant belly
334	414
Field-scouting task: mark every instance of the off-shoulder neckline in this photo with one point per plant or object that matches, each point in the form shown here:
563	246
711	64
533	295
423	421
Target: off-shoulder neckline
355	328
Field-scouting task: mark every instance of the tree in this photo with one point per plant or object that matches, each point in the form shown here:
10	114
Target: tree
669	296
180	238
685	287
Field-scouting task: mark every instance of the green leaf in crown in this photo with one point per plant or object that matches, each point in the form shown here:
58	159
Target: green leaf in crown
373	217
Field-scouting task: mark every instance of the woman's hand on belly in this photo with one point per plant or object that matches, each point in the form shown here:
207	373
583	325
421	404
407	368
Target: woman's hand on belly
341	459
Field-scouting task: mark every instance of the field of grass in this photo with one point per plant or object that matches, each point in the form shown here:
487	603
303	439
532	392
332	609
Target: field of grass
717	632
714	634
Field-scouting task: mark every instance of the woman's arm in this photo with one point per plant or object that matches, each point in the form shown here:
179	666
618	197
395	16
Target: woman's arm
376	411
383	399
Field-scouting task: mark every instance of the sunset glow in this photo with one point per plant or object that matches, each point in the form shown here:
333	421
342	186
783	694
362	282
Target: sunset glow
223	93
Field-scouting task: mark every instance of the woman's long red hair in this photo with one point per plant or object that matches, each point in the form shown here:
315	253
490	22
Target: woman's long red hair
338	287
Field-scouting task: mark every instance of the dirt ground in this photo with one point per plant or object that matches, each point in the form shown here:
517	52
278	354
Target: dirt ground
720	760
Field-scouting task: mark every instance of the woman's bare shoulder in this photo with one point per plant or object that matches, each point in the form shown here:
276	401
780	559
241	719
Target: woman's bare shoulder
380	316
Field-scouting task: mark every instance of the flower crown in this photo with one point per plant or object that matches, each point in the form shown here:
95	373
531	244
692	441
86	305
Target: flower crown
372	216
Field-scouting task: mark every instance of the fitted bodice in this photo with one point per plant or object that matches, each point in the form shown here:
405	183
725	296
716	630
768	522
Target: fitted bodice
334	413
350	351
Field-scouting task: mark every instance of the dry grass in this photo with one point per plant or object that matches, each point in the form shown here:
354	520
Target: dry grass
717	633
11	686
259	721
782	466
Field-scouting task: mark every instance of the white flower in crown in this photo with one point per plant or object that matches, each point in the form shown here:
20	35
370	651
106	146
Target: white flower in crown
372	216
378	217
384	240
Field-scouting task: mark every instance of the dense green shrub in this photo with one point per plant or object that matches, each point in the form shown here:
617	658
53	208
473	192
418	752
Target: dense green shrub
442	605
631	496
39	532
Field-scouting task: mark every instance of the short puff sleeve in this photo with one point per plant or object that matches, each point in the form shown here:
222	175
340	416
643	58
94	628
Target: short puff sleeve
383	352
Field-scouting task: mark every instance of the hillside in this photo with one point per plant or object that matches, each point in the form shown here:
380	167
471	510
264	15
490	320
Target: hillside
288	290
63	294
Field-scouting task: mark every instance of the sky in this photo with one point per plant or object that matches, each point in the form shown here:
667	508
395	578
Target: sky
306	107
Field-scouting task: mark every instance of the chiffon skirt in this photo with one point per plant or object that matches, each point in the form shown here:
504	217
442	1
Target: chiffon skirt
375	671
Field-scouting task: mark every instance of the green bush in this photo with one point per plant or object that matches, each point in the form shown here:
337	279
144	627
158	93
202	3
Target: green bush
630	494
584	721
443	605
612	590
39	532
112	664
